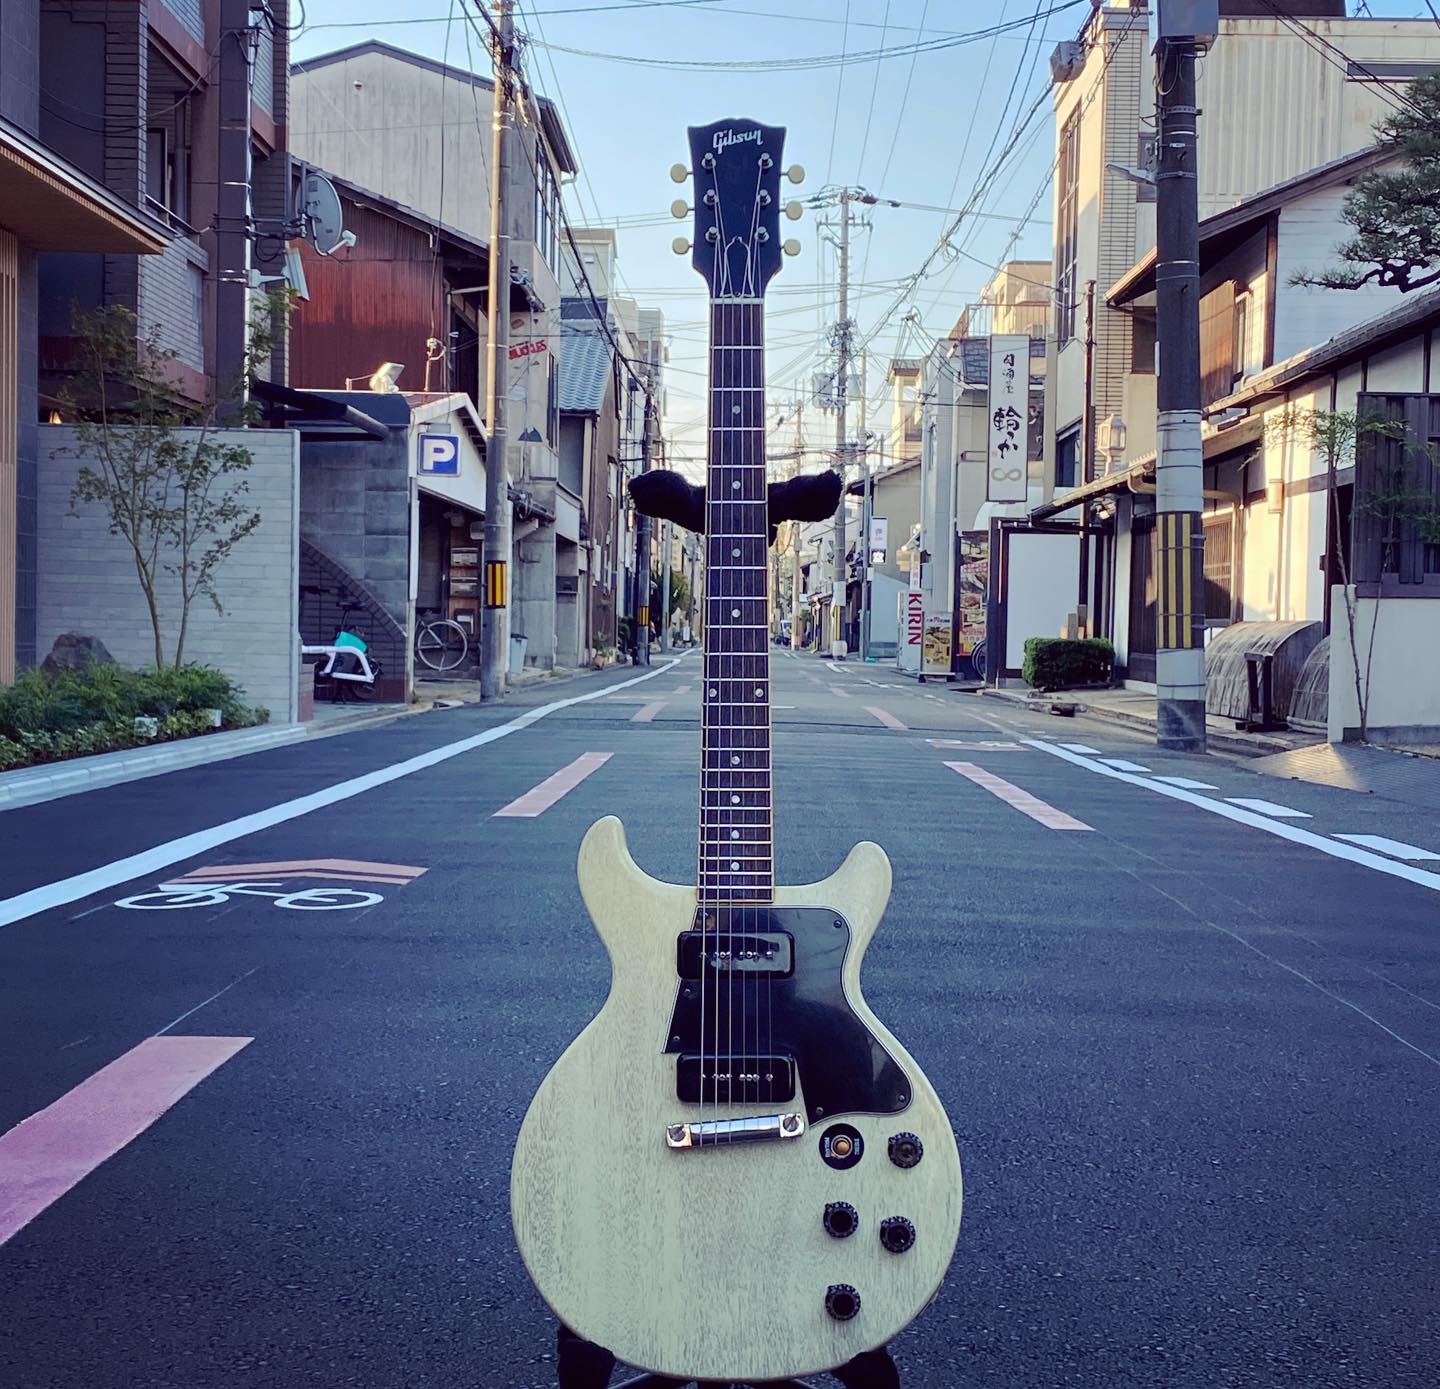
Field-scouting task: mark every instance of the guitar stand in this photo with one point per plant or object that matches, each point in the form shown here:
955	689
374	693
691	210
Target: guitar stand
583	1365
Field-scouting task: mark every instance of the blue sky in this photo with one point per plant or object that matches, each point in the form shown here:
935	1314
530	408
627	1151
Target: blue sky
917	129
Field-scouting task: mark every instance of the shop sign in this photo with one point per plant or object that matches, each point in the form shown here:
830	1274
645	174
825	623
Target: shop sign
1008	417
440	455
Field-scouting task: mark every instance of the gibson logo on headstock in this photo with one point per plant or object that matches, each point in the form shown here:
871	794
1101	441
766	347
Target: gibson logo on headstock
725	138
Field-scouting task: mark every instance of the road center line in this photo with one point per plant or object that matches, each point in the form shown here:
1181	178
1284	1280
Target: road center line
539	799
46	1155
1278	828
1023	801
162	856
646	712
1394	847
887	718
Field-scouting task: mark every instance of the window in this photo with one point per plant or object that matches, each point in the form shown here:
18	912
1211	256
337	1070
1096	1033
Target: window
546	232
1142	342
167	160
1067	458
1066	225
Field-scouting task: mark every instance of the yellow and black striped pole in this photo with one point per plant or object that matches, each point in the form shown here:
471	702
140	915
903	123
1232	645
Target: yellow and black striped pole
497	583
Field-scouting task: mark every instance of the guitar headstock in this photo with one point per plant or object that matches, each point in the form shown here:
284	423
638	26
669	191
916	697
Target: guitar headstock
736	168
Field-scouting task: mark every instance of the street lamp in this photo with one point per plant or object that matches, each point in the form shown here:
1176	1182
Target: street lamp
1110	440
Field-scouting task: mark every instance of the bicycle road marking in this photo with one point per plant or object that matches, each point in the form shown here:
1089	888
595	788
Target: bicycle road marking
149	862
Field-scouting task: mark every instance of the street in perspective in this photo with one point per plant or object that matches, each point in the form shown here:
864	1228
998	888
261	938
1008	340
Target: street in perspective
717	694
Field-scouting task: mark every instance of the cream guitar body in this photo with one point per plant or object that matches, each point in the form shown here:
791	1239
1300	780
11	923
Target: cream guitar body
722	1259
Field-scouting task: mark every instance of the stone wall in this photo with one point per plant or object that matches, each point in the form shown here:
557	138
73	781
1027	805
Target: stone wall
87	577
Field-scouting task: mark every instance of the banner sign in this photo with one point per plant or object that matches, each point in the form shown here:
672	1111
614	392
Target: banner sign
879	538
1008	417
935	653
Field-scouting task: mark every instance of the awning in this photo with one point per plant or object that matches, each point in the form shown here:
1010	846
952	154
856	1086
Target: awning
52	206
293	408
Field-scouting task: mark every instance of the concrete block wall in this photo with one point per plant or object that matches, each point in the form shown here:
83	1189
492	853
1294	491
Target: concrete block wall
87	577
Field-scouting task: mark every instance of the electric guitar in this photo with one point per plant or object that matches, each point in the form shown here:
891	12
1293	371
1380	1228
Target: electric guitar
735	1171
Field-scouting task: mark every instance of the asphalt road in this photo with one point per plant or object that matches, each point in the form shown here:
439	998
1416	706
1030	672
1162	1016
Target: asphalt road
1190	1048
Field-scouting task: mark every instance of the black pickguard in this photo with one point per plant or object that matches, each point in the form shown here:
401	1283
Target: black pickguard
842	1068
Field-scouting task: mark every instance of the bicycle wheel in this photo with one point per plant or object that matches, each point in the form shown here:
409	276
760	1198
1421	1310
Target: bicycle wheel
169	898
449	645
327	899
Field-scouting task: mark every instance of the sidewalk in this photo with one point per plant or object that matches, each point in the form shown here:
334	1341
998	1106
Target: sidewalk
1136	709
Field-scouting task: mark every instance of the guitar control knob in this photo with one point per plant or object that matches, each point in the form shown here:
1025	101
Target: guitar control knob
841	1219
905	1149
842	1301
896	1233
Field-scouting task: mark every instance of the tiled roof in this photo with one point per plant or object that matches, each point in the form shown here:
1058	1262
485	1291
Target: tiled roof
584	370
974	359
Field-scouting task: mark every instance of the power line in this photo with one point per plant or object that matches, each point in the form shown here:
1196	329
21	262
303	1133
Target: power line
839	90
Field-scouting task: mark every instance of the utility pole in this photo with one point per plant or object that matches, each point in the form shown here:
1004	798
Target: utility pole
642	543
866	510
665	545
233	209
1179	475
795	537
842	570
495	616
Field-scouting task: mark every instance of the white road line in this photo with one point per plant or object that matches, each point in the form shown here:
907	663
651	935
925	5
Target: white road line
163	856
1121	765
1419	876
1022	801
1283	812
1184	782
1393	847
1081	747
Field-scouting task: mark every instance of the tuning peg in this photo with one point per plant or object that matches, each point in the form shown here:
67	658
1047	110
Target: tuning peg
681	245
679	173
679	208
794	211
795	174
791	247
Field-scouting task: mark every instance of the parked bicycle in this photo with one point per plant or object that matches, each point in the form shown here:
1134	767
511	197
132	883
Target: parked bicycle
347	672
440	642
169	896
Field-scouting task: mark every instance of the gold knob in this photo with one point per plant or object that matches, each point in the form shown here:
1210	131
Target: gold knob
841	1146
795	173
680	245
794	211
679	173
679	208
791	247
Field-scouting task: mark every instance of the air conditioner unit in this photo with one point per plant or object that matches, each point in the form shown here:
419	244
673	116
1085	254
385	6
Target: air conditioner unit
1066	61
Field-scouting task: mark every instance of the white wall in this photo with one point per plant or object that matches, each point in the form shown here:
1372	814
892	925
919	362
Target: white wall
87	580
1404	675
1043	574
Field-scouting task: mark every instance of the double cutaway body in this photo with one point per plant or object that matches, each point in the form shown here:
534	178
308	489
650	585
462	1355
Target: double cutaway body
714	1260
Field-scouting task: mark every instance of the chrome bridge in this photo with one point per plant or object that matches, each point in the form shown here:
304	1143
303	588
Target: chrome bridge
714	1133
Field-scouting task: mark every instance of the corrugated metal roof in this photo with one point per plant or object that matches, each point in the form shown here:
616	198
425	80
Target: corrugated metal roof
584	371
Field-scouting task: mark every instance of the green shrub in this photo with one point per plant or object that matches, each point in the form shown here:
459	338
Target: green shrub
1060	663
45	718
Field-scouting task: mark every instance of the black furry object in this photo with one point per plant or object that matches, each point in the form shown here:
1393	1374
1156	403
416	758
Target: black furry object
667	496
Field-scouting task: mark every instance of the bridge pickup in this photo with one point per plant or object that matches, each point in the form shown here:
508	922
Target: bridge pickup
718	1133
726	953
734	1079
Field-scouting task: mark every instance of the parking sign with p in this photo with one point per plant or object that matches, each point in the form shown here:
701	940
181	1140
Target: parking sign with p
440	454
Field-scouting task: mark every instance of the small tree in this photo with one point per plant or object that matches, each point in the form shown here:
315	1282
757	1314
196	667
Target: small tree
173	487
1390	496
1396	215
679	593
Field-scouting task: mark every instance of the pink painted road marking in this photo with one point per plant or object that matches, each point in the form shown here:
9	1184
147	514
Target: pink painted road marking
888	719
1023	801
539	799
682	689
646	713
43	1156
836	690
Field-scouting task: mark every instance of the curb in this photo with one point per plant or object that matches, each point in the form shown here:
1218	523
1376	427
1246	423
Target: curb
1252	746
35	785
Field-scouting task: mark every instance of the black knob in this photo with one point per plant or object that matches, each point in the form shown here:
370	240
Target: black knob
841	1219
896	1233
842	1301
905	1149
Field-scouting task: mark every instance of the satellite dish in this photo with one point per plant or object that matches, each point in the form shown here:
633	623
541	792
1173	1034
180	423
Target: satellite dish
324	217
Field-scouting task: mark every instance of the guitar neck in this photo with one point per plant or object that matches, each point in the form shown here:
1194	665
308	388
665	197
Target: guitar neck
736	859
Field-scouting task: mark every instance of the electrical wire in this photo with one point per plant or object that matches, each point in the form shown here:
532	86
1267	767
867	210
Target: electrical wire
870	113
839	90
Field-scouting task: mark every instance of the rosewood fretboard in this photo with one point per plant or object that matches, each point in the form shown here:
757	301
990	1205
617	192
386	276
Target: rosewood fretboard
736	819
